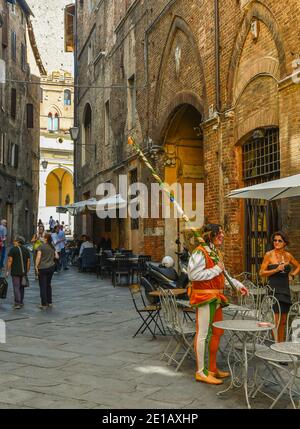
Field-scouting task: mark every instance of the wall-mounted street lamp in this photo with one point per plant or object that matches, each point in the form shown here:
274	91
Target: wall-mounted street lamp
44	164
74	131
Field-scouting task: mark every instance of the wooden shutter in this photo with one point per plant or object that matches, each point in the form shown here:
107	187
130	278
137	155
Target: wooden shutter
16	156
5	29
13	45
29	115
13	110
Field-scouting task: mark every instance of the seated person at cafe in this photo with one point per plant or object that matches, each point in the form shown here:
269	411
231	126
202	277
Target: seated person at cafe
86	244
104	243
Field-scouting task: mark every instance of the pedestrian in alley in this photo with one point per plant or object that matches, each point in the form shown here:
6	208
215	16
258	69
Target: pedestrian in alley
206	272
277	267
37	241
18	265
62	243
56	241
45	266
40	223
51	224
3	240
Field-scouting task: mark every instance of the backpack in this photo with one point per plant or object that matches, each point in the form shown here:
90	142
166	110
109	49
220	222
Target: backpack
3	288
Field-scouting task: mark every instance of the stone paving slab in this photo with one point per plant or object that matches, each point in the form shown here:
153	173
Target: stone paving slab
81	354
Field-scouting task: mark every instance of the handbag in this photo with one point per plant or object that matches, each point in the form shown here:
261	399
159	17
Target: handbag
24	280
3	288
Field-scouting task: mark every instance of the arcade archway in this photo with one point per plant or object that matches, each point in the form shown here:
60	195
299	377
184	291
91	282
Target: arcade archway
183	145
59	188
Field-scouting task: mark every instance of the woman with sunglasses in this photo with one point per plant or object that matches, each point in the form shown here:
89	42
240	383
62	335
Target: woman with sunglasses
277	267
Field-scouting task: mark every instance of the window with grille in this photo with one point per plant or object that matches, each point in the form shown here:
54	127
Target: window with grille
133	175
261	155
13	45
23	57
261	163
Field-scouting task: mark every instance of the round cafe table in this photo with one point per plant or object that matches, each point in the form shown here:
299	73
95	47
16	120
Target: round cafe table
293	350
175	292
243	331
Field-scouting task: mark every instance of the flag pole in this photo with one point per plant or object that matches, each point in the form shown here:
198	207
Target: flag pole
180	210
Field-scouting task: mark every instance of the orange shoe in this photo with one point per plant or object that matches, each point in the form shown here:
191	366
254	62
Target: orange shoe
219	374
209	379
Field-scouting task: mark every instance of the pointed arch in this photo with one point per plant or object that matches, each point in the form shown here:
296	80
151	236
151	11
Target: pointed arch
178	24
262	13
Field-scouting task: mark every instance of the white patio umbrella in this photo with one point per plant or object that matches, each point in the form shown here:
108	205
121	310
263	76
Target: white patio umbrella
81	207
282	188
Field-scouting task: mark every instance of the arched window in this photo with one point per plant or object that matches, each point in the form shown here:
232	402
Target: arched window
67	97
50	122
56	122
87	133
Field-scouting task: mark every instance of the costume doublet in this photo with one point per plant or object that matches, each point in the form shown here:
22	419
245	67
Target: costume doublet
207	296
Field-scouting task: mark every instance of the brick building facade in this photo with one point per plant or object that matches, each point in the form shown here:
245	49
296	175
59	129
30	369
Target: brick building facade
211	84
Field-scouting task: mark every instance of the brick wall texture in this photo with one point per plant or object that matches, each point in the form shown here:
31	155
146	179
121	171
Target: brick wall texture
170	47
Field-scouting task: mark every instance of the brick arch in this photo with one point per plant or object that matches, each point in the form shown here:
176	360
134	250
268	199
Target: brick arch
260	118
181	98
261	12
264	66
178	24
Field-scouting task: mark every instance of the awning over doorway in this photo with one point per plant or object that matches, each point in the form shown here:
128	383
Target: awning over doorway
282	188
87	206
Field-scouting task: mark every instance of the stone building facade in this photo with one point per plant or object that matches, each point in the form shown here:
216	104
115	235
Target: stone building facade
56	146
211	90
56	107
19	123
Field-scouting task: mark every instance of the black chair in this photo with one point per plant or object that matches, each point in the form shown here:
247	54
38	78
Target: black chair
104	265
89	259
122	267
148	313
140	267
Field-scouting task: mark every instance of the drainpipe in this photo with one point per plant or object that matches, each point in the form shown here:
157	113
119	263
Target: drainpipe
75	93
217	55
218	108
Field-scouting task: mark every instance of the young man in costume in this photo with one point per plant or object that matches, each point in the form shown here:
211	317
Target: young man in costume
206	272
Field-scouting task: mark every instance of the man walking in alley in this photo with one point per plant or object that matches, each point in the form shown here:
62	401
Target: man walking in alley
3	240
51	223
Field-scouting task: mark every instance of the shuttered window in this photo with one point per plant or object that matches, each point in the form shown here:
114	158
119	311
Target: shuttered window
29	115
23	56
13	101
2	148
5	29
13	45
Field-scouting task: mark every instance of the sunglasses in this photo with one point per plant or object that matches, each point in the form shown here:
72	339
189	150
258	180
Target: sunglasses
277	241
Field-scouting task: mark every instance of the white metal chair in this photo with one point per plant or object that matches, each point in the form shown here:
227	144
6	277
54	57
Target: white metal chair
183	332
274	361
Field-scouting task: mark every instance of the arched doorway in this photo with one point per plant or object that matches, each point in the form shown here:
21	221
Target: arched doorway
183	163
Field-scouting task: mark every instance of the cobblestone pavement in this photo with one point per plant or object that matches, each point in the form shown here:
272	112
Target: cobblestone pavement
81	354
